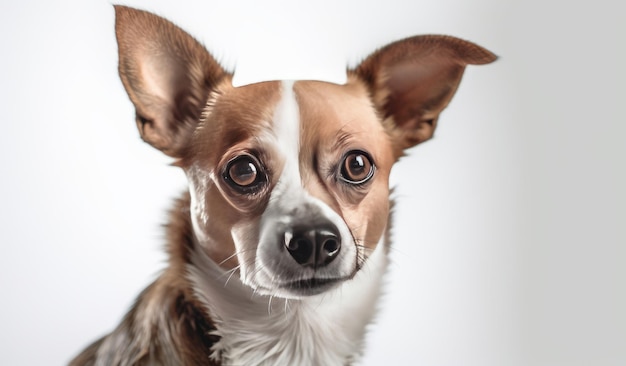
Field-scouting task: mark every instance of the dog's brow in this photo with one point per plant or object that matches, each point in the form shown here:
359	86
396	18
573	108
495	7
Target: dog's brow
342	139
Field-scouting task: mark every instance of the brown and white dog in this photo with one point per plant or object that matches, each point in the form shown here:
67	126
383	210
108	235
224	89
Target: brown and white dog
278	250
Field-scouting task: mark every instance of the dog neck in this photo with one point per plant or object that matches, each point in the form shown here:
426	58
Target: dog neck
326	329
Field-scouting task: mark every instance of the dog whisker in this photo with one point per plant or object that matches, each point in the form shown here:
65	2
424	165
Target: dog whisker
236	253
269	305
228	258
286	306
232	272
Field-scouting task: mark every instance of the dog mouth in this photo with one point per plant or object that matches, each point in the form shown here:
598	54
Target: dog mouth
311	286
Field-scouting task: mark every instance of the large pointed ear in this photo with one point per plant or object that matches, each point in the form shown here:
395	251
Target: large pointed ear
167	74
411	81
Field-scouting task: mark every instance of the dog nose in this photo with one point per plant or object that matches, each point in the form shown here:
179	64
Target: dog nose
313	247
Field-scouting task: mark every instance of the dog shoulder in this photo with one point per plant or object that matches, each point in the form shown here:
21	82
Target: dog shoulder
164	327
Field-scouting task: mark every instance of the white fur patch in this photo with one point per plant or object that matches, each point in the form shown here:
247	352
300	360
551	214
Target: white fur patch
287	130
326	329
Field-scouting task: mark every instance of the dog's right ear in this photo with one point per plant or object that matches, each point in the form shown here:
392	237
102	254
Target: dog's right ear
167	74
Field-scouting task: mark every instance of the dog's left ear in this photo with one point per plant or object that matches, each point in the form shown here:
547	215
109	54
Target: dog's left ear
411	81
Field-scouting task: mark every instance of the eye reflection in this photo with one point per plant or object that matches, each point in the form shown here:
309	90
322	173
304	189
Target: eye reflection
356	168
244	173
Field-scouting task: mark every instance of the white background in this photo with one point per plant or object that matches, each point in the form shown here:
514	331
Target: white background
510	230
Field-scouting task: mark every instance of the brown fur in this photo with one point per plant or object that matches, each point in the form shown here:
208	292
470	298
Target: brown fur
226	129
346	121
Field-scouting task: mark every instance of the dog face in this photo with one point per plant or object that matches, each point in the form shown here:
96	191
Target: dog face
288	180
292	181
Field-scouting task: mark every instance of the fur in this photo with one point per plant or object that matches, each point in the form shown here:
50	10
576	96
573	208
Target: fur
267	164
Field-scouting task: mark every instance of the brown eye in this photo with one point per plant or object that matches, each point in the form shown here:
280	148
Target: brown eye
356	168
244	173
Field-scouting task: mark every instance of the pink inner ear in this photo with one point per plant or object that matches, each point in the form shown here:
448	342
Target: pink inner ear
419	92
157	78
167	74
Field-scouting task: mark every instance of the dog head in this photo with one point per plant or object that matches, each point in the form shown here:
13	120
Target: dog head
288	180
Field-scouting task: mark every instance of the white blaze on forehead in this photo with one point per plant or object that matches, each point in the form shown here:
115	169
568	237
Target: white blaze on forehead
290	205
287	131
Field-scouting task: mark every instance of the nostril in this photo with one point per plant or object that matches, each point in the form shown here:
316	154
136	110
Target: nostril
296	243
331	247
300	248
328	247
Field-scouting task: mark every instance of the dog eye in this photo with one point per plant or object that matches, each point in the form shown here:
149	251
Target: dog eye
244	173
356	168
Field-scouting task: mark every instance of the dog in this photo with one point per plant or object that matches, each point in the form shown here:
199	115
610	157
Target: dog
278	250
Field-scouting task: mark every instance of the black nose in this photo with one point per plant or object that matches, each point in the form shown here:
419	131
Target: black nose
313	247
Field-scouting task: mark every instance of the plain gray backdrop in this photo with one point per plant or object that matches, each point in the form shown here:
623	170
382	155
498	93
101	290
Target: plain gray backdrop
510	227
